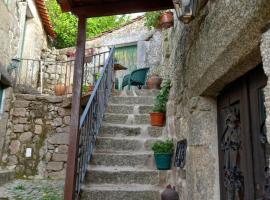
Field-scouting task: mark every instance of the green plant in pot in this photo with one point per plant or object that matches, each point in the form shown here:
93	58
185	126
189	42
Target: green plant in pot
163	152
157	116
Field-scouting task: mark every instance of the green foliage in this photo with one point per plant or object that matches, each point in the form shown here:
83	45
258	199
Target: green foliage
20	187
98	74
165	147
66	24
162	97
85	88
152	19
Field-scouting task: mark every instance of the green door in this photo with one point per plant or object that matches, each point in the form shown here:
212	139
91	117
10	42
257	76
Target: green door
126	56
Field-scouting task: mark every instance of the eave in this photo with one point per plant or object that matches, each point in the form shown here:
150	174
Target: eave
97	8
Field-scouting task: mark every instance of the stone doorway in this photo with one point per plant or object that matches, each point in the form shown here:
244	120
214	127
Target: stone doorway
242	138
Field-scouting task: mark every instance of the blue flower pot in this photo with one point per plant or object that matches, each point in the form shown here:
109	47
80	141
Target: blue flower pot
163	161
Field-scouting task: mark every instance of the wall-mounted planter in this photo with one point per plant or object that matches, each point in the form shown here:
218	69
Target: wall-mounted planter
166	20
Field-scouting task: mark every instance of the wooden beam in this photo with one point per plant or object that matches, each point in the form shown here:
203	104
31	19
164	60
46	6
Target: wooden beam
74	137
121	7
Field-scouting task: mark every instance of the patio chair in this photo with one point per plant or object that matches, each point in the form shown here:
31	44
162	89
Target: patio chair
135	78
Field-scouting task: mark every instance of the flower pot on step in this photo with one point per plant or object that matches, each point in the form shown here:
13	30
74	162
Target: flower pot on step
163	161
157	118
154	82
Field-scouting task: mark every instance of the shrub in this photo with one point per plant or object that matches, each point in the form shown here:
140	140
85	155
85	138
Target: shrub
152	19
162	98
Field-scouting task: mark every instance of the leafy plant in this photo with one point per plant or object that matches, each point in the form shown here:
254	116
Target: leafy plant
162	97
98	74
20	187
165	147
66	24
85	88
152	19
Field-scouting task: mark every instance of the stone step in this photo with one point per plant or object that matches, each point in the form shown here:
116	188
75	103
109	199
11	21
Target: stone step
131	159
120	144
98	174
129	100
129	109
127	119
6	176
117	130
141	92
120	192
110	144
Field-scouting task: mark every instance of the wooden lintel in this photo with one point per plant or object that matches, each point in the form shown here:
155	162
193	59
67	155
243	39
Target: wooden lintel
122	7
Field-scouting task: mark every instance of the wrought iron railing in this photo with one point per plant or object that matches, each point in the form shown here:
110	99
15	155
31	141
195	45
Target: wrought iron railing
90	123
42	76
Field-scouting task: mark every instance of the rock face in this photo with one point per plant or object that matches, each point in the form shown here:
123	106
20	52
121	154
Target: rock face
219	45
39	123
123	166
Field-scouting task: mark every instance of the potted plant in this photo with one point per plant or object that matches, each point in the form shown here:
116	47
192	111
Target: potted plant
87	88
157	116
166	19
154	82
159	19
163	151
59	89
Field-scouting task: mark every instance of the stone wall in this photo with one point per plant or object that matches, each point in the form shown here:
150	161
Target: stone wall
220	45
42	124
17	16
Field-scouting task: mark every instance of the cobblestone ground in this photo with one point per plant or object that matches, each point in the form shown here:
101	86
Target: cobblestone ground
32	190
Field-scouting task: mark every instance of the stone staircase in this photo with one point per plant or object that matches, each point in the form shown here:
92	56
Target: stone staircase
122	167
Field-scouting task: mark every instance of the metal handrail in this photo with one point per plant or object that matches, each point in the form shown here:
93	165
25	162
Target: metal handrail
30	74
91	119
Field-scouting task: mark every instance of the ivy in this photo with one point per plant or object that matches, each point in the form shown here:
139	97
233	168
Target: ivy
66	24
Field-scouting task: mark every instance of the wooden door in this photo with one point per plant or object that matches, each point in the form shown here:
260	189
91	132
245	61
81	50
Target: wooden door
242	157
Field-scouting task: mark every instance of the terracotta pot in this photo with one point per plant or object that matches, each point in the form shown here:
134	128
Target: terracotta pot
59	89
154	82
91	88
166	20
157	118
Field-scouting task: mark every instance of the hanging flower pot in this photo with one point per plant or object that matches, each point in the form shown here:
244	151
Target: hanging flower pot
59	89
154	82
166	20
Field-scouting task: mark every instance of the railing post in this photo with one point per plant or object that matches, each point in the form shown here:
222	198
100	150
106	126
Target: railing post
70	182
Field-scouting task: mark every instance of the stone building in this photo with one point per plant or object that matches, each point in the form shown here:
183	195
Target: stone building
219	100
25	30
